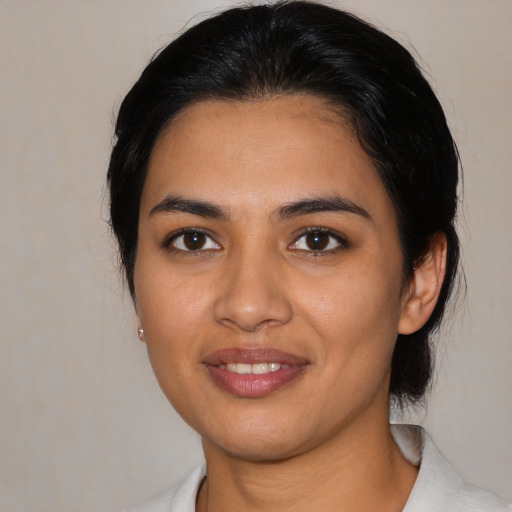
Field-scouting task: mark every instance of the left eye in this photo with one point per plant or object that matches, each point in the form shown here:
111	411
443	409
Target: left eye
193	241
317	241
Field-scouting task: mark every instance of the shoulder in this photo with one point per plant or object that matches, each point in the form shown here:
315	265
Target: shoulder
473	499
438	486
181	499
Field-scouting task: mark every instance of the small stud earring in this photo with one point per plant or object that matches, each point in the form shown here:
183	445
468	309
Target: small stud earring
140	332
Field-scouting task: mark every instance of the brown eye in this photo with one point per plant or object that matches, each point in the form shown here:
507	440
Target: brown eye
317	241
190	241
194	241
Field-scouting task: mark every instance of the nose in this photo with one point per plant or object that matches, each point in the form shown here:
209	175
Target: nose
253	294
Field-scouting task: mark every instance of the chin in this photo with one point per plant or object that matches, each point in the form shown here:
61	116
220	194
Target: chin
258	439
257	449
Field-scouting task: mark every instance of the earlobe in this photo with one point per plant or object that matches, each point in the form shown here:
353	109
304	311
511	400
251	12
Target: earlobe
424	288
140	330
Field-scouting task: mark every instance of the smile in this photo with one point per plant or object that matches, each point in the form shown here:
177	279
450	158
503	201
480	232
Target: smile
256	369
253	373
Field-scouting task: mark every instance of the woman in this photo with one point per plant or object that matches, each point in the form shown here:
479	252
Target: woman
283	191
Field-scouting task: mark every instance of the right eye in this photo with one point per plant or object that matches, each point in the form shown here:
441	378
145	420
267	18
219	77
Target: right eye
193	240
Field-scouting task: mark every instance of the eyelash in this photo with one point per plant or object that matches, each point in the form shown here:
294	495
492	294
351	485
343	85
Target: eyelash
171	239
316	230
340	241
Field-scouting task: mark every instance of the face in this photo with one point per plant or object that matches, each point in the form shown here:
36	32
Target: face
268	277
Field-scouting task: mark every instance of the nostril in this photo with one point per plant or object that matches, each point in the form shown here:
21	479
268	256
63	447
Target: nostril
252	312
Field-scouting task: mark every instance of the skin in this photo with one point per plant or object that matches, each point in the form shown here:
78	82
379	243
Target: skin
322	441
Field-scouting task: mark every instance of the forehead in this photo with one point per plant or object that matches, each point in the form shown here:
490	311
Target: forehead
261	152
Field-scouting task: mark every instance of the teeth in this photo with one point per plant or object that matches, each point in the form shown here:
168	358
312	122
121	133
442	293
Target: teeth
256	369
241	368
260	368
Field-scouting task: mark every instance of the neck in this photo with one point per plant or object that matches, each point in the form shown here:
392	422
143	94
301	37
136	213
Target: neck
359	469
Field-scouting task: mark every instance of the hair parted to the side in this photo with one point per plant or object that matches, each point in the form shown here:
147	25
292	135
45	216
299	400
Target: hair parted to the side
299	47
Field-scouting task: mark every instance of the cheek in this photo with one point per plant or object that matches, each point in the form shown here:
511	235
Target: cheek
173	311
174	317
359	294
356	311
168	301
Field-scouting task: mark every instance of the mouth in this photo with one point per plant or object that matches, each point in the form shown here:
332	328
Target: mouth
253	373
254	369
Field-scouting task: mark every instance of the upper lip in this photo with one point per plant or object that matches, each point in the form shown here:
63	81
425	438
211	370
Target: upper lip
253	356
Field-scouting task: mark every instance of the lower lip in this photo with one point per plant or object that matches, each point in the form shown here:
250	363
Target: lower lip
252	385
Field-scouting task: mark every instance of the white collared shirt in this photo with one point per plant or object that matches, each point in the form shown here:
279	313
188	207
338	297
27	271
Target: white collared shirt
438	488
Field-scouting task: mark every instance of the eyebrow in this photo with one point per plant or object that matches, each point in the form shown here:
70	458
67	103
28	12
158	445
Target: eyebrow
173	203
320	205
204	209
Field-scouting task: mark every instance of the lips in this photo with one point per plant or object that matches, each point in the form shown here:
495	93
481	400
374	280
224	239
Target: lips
253	373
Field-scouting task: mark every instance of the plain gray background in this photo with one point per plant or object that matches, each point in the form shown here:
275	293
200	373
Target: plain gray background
83	425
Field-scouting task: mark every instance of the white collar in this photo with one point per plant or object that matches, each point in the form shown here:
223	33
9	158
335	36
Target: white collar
438	488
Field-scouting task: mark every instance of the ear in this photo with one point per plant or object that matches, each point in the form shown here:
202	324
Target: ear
423	290
140	329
